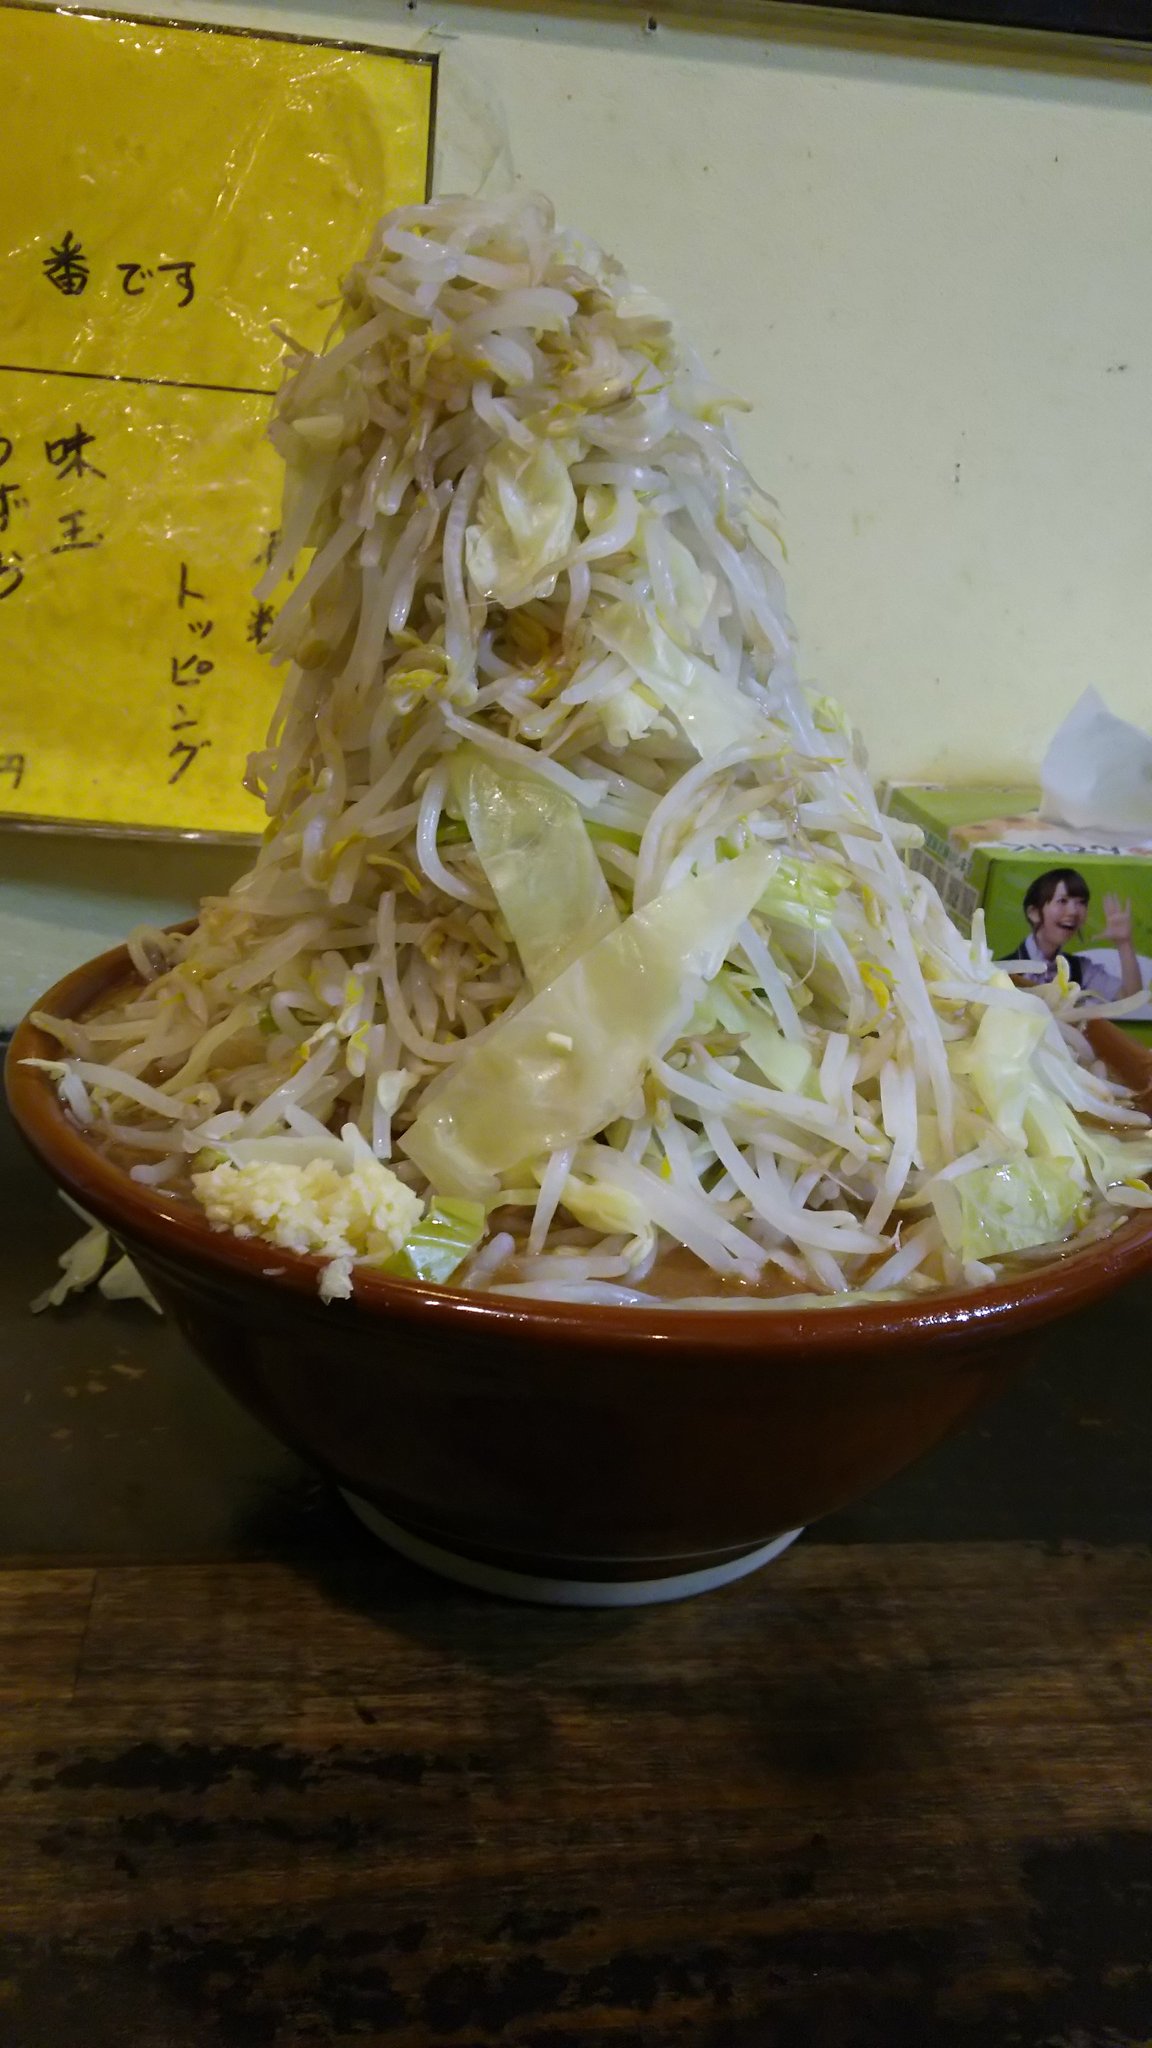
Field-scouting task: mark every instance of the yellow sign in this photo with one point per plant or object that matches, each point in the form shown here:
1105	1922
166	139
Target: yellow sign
173	195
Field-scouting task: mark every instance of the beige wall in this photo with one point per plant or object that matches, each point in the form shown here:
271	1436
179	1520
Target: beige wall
933	277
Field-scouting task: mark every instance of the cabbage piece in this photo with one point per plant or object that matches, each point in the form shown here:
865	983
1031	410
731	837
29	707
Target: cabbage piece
440	1242
783	1063
690	589
82	1264
999	1063
1008	1207
613	1210
712	711
1053	1131
613	834
123	1282
285	1149
525	519
572	1059
803	892
1116	1165
536	853
629	715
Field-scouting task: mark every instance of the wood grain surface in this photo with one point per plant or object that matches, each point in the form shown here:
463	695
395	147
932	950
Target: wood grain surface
264	1786
886	1796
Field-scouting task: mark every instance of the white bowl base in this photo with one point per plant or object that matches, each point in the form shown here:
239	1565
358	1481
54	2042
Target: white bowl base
510	1585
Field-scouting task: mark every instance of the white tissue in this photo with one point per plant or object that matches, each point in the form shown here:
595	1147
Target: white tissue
1098	771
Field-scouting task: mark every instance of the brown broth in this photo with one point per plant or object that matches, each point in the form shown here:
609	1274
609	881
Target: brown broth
678	1275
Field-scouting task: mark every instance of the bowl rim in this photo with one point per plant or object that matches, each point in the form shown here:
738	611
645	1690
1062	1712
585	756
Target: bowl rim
170	1227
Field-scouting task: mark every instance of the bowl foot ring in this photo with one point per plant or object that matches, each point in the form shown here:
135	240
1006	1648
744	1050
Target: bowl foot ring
547	1592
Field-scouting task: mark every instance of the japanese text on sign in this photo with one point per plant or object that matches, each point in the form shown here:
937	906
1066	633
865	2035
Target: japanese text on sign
137	361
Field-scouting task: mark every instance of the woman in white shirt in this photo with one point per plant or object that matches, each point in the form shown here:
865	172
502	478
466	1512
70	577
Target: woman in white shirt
1056	906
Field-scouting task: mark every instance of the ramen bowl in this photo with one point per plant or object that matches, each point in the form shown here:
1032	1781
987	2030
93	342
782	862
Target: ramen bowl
583	1455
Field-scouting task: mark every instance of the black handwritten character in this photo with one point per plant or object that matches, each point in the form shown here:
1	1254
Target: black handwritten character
260	624
264	558
201	627
183	276
182	723
186	590
190	671
66	266
6	447
13	765
187	751
12	499
128	271
72	526
66	454
11	574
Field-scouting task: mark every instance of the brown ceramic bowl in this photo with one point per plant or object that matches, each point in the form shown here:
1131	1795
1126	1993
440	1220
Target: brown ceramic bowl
573	1453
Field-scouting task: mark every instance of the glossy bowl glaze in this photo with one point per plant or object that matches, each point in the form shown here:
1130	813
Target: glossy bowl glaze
578	1453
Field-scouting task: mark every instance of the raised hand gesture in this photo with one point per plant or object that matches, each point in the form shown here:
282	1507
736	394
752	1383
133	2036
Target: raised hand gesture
1117	922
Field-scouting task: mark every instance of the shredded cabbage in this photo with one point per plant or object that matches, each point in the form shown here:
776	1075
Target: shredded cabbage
85	1264
525	519
572	905
533	846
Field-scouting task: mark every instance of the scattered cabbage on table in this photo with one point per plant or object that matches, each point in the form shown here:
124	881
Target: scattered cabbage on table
576	938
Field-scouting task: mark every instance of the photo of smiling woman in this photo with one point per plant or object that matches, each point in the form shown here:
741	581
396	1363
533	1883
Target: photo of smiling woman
1056	906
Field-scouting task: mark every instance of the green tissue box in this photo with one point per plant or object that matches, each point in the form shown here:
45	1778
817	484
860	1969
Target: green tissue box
985	846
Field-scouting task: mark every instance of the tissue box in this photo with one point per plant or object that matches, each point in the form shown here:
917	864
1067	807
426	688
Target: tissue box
984	846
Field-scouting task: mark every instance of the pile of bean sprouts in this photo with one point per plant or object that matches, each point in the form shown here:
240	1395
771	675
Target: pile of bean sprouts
541	699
